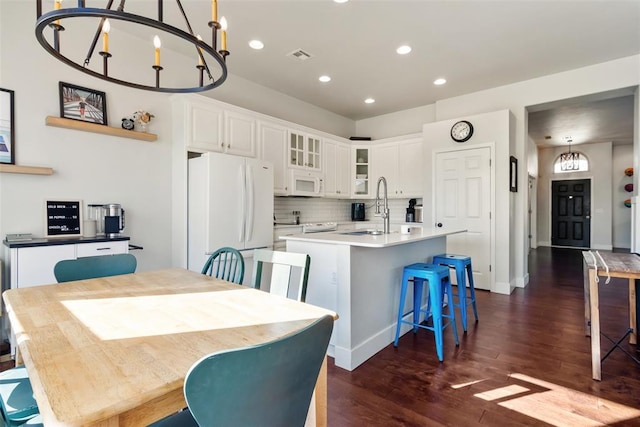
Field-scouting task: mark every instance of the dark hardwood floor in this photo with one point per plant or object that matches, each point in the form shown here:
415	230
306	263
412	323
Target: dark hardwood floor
526	362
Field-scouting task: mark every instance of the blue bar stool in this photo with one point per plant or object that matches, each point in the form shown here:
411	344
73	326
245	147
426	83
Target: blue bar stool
461	263
439	285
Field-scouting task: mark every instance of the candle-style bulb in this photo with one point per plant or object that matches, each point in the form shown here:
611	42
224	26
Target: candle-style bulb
214	10
157	45
106	27
223	26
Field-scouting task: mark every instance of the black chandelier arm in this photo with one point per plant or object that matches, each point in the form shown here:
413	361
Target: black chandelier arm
97	34
188	24
49	17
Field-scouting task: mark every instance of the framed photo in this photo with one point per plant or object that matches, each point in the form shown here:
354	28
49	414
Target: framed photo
63	218
513	174
81	103
7	127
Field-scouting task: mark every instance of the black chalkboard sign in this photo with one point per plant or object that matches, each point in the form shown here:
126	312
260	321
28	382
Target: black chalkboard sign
63	218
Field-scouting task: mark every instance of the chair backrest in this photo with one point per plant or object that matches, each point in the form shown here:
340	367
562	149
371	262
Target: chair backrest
94	266
226	264
269	384
282	265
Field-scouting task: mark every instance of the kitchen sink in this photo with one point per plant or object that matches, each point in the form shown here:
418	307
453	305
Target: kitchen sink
362	233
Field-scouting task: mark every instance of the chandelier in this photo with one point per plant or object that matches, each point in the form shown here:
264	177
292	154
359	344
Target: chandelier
207	74
569	161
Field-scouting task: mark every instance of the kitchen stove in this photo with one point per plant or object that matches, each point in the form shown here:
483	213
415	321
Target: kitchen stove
318	227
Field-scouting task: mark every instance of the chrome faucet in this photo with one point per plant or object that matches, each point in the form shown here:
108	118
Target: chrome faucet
385	204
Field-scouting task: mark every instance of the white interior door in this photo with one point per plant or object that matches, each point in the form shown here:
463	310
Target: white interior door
463	200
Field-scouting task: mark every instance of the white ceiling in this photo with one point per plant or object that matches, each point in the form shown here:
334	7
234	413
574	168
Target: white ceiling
474	44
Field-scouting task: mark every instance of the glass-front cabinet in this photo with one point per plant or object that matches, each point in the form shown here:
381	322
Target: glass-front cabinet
304	151
361	172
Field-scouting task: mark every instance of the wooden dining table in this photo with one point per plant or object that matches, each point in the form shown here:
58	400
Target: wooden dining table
114	351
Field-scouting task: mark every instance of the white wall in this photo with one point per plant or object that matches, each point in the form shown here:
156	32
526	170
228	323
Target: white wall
622	159
98	168
607	76
393	124
493	129
600	173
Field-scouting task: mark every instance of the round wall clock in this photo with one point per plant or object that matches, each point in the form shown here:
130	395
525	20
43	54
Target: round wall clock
461	131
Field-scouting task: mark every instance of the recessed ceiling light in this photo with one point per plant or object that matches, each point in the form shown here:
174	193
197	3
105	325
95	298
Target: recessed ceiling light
340	1
324	79
256	44
369	101
439	81
403	50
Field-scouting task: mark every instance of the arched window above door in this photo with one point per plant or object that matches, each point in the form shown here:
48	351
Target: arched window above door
571	162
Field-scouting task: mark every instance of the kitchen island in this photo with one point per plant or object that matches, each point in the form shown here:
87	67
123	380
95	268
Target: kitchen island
358	275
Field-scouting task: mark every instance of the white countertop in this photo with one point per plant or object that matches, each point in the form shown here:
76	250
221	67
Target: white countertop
372	241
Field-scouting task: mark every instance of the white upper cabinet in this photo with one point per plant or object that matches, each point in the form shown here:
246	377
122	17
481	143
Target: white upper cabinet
208	126
304	151
273	148
240	134
361	175
204	126
336	169
401	163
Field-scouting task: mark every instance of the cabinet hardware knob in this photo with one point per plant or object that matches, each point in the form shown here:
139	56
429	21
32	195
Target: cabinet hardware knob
228	145
222	144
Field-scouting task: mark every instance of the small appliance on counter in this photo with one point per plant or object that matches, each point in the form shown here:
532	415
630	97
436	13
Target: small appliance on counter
113	220
411	211
418	214
357	211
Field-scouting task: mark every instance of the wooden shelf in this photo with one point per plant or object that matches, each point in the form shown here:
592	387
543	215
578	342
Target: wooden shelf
33	170
95	128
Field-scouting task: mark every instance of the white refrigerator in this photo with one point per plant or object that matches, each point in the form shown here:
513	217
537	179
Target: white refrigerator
230	203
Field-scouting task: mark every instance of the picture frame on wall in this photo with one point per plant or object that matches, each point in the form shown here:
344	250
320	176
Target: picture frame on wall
7	127
84	104
513	174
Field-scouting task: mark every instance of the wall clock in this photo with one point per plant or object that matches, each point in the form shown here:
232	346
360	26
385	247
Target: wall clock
461	131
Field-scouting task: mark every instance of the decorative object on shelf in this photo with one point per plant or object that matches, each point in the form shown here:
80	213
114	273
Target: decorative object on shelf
628	188
81	103
142	118
108	22
461	131
7	127
128	123
513	174
627	203
628	171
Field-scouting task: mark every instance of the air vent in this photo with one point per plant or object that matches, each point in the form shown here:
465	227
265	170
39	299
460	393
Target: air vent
300	55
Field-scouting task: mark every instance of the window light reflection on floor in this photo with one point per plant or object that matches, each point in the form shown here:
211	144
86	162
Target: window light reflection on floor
554	404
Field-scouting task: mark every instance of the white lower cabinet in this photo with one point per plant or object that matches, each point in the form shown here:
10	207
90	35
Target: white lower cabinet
33	265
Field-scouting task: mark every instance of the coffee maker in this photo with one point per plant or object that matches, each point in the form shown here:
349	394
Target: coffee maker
113	220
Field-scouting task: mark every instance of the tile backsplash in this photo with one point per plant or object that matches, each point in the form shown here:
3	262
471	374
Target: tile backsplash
314	209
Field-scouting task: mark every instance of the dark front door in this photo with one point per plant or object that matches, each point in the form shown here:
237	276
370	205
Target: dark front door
571	213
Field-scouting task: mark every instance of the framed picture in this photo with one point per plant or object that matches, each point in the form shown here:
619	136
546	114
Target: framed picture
513	174
81	103
63	218
7	127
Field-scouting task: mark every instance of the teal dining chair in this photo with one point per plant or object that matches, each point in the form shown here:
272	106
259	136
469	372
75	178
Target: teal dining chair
17	403
226	264
94	266
267	385
282	265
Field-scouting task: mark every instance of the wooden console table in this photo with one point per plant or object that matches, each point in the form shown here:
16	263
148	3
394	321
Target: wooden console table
621	265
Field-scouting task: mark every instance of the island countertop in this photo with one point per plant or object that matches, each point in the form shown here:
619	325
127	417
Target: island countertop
359	238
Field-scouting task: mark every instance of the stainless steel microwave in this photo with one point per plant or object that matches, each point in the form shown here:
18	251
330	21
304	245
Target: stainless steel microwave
304	183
